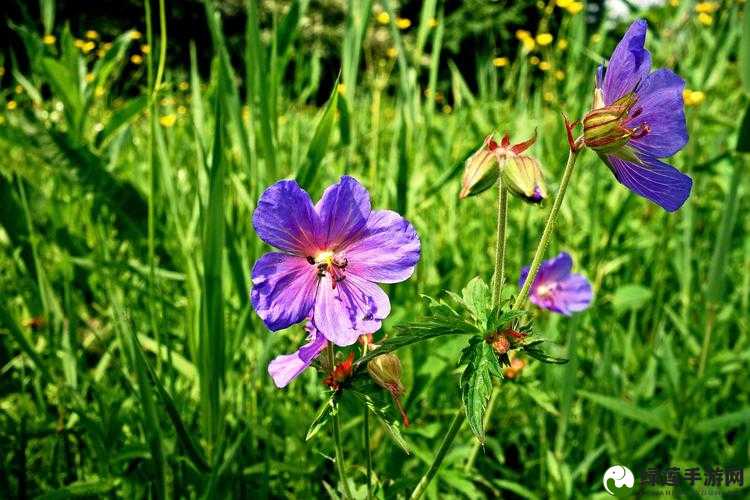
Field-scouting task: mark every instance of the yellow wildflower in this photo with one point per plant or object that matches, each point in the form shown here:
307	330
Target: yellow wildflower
549	96
49	39
89	77
596	38
92	35
432	23
534	60
392	52
705	19
707	7
135	35
562	44
560	74
383	18
99	91
545	66
693	97
447	109
167	120
136	59
544	39
78	43
12	105
674	3
575	7
19	89
146	48
88	47
181	110
521	34
500	62
183	86
403	23
564	4
341	88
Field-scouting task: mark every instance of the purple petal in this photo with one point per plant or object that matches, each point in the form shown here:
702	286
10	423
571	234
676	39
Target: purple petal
387	251
283	289
554	269
659	182
343	210
567	296
285	368
660	106
286	219
629	64
355	307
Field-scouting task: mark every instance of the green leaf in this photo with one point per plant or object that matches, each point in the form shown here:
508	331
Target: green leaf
745	51
724	422
631	297
542	356
84	489
321	417
477	297
650	418
743	133
62	81
476	383
121	118
319	143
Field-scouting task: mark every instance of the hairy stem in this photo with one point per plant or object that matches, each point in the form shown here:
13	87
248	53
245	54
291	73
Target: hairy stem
455	426
498	278
337	435
544	241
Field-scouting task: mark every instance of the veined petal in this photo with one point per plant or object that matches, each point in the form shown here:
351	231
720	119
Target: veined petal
573	294
660	106
659	182
355	307
551	270
286	219
343	210
283	289
630	63
285	368
387	250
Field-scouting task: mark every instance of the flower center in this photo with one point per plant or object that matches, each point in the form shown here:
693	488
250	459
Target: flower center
327	262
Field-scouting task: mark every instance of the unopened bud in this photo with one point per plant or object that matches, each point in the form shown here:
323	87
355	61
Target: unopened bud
522	176
606	130
385	370
481	169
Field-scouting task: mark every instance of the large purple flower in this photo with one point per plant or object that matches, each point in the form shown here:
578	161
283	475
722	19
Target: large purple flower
332	255
556	288
638	118
285	368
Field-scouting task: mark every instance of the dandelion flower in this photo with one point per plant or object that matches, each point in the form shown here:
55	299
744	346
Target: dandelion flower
11	105
146	48
556	288
705	19
403	23
545	66
693	97
136	59
383	18
574	7
49	39
544	39
91	35
707	7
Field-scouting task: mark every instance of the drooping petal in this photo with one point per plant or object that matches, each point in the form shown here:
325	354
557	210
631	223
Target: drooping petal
343	210
629	64
660	106
286	219
387	250
283	289
285	368
659	182
355	307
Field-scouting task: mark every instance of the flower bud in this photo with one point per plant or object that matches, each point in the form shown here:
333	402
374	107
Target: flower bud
385	370
522	176
605	128
480	170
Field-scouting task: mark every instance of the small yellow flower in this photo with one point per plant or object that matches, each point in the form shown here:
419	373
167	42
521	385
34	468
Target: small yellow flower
522	34
705	19
447	109
432	23
545	66
341	89
564	4
136	59
534	60
575	7
12	105
562	44
99	92
544	39
49	39
707	7
674	3
89	77
88	47
383	18
549	96
181	110
146	48
135	35
403	23
183	86
78	43
560	74
167	101
500	62
528	44
107	46
392	52
167	120
92	35
596	38
19	89
245	113
693	97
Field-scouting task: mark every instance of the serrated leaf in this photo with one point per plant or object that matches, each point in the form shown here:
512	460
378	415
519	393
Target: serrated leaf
500	318
321	417
477	298
476	384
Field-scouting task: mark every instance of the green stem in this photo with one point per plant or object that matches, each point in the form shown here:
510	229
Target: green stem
368	453
337	435
455	426
547	230
498	278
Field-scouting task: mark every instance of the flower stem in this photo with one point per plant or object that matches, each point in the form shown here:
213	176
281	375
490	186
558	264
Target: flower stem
547	230
368	451
498	278
337	435
455	426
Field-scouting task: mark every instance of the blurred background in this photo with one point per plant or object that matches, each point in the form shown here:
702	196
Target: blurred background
135	140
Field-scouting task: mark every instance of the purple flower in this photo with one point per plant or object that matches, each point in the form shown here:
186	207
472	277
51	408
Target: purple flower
285	368
332	255
556	289
638	118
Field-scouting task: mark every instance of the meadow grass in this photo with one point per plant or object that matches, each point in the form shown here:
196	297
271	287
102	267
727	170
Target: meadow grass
134	365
